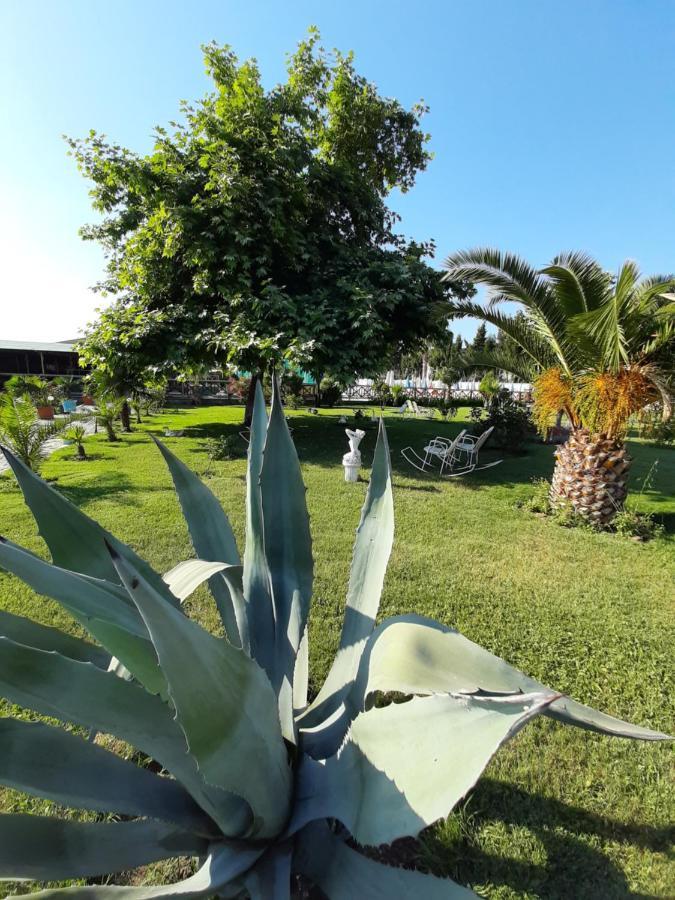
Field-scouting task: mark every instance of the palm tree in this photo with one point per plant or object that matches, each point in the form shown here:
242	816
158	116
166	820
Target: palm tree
107	412
23	432
598	348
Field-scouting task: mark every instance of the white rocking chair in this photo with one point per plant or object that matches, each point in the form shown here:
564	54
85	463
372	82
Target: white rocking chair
451	458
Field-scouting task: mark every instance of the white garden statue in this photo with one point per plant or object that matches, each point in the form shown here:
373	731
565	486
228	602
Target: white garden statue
352	460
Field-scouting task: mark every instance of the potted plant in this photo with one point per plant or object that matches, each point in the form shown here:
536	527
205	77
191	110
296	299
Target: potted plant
36	389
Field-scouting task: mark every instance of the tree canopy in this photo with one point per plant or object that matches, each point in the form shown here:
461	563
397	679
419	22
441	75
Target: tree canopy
258	227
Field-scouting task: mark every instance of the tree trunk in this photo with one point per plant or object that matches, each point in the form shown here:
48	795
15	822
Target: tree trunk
110	431
250	400
318	378
591	474
125	416
81	452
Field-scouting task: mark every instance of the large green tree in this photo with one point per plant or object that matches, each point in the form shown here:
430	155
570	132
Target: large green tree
258	228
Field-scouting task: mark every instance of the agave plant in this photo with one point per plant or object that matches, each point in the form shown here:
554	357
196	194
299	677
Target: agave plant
246	775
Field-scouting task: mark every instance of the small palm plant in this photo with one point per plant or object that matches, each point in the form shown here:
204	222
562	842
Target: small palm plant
598	349
77	433
107	413
260	784
24	432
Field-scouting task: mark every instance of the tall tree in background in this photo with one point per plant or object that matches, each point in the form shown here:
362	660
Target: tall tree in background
258	229
599	348
480	338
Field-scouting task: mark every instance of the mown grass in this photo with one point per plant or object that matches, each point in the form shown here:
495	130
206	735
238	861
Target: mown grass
561	813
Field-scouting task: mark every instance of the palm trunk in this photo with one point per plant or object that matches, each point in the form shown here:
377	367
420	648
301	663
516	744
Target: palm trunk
591	474
125	416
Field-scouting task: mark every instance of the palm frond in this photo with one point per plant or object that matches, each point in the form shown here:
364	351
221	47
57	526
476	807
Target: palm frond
511	278
504	273
579	282
536	348
515	362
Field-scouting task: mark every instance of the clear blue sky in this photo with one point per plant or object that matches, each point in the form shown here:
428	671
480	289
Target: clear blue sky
552	123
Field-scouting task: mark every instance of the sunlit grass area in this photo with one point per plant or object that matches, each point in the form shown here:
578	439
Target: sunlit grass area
561	812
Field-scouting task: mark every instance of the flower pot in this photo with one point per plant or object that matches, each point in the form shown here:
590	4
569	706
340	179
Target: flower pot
87	400
45	412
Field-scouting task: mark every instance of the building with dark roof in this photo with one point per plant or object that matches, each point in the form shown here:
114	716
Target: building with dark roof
38	358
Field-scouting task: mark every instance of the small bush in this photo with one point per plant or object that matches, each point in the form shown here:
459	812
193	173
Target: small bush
398	394
489	386
538	501
634	524
226	447
331	392
511	422
382	393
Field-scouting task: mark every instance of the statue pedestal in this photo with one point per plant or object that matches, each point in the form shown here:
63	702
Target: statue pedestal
351	467
352	460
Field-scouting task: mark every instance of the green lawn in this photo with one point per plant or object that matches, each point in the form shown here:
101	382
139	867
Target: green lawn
560	812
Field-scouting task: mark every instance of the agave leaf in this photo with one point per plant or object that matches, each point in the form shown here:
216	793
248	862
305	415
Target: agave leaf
186	577
406	765
224	704
75	541
288	548
43	637
97	606
52	763
80	694
416	655
374	539
224	864
301	674
50	849
343	874
270	877
256	576
210	530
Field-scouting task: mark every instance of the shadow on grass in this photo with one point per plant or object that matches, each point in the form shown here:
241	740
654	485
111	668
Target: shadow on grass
106	484
574	867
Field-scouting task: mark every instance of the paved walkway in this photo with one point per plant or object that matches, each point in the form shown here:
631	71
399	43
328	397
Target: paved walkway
56	443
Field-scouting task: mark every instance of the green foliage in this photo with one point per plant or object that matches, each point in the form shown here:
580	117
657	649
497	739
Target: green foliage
538	501
228	717
331	391
382	393
77	433
40	391
107	414
259	229
511	421
628	522
398	395
489	386
642	526
656	425
23	432
27	386
228	446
